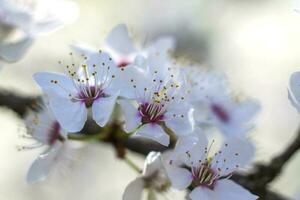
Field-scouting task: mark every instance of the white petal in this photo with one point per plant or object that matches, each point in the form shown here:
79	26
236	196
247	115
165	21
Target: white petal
134	190
119	40
44	27
154	132
186	143
294	102
241	115
246	110
189	150
227	189
51	15
158	57
202	193
180	178
194	143
131	81
13	52
104	66
131	115
180	120
39	124
70	115
235	153
153	163
16	15
197	153
82	49
162	45
43	164
103	108
295	90
63	88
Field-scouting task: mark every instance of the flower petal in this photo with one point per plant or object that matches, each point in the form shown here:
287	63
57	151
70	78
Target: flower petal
202	193
103	65
154	132
63	88
70	115
294	90
186	143
198	152
51	15
158	56
180	120
102	109
240	117
131	115
246	110
131	81
82	49
235	153
42	165
226	189
40	124
16	15
134	190
118	40
294	102
194	144
13	52
180	178
162	45
153	163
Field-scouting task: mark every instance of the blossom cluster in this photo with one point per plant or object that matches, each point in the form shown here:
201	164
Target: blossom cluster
134	91
156	98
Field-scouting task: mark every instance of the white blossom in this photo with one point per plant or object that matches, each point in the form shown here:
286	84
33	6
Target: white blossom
215	104
153	178
120	46
157	103
22	21
46	131
90	84
194	166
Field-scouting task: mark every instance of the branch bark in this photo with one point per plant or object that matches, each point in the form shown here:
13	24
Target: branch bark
257	181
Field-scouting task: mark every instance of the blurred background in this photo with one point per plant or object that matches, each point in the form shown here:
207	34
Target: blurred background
255	42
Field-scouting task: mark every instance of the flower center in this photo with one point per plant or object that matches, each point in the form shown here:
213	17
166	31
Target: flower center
89	95
152	113
204	176
220	112
123	63
54	133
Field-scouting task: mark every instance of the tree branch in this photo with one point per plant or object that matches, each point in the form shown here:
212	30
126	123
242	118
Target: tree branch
263	174
257	181
19	104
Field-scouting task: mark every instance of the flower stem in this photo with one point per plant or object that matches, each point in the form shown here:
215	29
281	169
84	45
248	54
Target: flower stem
131	164
82	137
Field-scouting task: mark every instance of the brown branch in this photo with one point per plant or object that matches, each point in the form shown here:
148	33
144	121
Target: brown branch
263	174
256	181
19	104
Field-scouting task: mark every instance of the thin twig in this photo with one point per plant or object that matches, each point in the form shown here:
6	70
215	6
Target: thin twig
132	164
